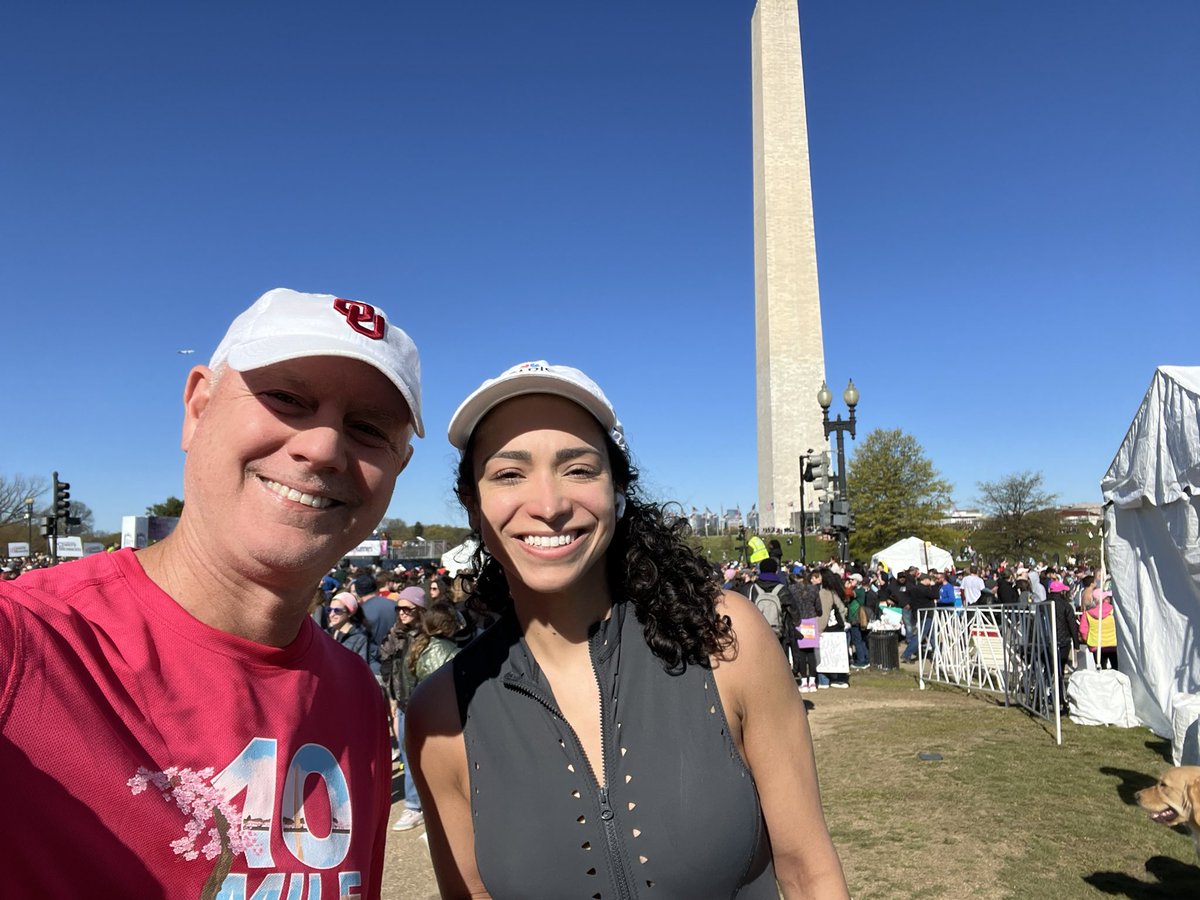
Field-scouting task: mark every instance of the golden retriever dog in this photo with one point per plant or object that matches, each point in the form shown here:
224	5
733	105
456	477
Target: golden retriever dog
1175	800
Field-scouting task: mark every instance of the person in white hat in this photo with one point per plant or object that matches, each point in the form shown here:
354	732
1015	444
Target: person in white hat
174	716
625	722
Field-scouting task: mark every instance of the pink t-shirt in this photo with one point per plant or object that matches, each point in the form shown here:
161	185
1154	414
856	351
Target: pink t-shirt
145	754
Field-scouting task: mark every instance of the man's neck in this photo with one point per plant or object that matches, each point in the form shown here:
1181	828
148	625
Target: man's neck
262	607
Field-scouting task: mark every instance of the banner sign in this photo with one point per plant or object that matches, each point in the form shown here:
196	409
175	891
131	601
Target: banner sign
92	547
135	531
18	548
368	548
69	547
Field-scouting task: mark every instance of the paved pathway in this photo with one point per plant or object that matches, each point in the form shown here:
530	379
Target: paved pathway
407	874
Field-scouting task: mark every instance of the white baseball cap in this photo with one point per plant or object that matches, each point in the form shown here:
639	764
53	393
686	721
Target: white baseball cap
284	324
537	377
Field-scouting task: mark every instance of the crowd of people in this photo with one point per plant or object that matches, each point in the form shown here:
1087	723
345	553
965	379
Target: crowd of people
849	599
404	623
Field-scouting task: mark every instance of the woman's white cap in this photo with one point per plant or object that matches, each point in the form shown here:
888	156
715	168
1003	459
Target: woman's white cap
284	324
538	377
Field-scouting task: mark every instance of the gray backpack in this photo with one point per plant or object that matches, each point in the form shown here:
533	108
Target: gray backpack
770	605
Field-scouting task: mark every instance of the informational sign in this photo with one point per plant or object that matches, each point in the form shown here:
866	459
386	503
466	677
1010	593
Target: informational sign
18	548
92	547
142	531
135	531
69	547
369	548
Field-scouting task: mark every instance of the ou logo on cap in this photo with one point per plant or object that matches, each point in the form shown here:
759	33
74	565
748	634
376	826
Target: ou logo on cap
362	317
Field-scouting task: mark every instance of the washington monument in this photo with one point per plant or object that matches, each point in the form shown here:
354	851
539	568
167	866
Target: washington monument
790	355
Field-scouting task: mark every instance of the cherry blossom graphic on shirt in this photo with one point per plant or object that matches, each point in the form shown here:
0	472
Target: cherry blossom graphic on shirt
201	803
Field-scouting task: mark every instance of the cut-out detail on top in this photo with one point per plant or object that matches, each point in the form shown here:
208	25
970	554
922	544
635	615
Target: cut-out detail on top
632	806
637	832
575	794
582	820
643	860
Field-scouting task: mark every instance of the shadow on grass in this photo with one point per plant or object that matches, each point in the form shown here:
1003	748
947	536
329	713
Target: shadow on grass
1163	748
1131	782
1174	879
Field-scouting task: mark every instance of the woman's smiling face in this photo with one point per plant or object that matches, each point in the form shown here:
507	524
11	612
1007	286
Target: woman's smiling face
544	494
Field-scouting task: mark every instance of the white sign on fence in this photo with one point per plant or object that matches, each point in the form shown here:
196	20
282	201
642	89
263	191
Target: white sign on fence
369	548
18	548
69	547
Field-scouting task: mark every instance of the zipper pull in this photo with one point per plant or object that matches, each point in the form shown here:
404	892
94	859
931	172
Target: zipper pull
606	812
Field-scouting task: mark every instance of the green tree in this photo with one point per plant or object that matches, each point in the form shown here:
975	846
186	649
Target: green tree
172	506
397	529
1020	518
894	492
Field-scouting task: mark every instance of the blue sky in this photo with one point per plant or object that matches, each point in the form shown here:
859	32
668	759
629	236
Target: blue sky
1007	206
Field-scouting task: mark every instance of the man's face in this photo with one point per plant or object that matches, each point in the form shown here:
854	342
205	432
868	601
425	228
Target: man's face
289	466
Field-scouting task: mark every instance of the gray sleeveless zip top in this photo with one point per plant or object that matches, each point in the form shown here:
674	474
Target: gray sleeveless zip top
674	815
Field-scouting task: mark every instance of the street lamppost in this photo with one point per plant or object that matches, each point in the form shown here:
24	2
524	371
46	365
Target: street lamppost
841	505
29	522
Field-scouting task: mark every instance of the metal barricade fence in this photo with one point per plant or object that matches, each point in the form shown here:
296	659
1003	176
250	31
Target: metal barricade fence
1009	650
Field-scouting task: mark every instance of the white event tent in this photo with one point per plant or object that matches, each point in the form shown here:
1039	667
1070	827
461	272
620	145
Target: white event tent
1152	544
912	551
458	558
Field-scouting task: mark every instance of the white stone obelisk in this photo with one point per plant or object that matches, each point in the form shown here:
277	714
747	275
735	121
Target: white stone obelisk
790	356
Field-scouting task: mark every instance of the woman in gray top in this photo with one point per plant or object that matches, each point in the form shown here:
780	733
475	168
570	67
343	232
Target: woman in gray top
626	729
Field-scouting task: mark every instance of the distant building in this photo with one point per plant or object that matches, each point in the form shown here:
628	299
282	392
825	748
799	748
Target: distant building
1082	514
961	518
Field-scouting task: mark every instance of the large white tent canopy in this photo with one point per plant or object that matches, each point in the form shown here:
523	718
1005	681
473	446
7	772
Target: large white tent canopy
1152	544
912	551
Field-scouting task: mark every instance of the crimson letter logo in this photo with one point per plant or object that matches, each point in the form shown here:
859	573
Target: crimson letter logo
362	317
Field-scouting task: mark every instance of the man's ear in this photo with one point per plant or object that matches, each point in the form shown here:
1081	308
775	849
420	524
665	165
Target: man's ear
197	393
407	455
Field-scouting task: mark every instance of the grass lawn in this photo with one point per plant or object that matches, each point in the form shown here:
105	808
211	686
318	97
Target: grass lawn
1005	813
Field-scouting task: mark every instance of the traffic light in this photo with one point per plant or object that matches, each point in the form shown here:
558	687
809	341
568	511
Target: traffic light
819	471
826	515
48	527
62	499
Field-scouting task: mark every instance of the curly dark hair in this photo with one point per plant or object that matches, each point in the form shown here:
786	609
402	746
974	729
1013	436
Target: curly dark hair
672	588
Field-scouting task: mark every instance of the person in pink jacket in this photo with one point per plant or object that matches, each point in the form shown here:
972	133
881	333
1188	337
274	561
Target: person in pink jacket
1098	628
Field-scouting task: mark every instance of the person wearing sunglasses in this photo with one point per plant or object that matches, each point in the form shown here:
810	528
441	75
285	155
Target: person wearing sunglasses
393	654
347	625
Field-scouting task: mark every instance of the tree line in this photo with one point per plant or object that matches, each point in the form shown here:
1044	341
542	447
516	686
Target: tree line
895	491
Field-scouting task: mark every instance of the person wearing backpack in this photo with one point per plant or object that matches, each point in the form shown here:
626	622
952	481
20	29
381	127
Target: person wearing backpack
774	599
